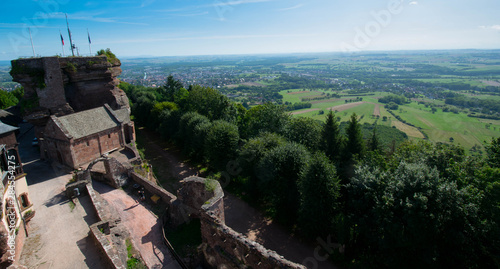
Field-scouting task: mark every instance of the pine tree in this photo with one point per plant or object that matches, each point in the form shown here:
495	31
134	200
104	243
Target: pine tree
374	143
355	144
354	148
331	138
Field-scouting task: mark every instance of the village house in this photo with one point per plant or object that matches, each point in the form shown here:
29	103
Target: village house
16	204
79	138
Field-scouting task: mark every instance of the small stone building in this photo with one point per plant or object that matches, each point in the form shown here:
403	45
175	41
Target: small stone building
79	138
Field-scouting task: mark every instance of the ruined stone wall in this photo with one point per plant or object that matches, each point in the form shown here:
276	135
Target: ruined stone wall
222	246
225	248
105	248
108	234
198	198
152	188
116	173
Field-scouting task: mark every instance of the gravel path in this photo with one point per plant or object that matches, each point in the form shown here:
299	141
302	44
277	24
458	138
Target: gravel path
58	235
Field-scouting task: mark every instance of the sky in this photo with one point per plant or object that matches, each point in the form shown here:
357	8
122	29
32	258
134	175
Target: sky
193	27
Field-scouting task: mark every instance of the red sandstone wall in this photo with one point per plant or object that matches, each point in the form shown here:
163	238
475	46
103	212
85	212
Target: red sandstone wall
92	147
86	150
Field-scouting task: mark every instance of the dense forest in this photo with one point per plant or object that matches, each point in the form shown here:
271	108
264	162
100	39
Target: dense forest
396	204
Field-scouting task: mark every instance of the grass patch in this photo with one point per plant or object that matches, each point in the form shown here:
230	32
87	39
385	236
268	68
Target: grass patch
132	261
72	205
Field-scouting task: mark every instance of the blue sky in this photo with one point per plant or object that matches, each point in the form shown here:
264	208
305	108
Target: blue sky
192	27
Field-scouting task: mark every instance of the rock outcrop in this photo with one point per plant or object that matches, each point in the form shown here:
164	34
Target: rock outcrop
61	86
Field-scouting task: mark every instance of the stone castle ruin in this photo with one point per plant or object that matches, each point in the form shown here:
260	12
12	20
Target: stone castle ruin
74	103
62	91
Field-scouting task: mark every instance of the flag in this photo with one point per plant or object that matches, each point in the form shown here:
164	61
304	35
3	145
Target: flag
90	42
62	39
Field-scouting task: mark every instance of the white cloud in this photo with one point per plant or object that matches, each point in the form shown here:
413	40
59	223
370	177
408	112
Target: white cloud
492	27
216	37
86	16
414	3
220	3
290	8
146	3
192	14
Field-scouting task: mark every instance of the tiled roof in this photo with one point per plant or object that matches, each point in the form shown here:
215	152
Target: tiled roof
4	128
88	122
122	115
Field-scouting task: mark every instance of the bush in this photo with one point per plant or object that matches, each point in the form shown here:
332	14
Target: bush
221	144
253	151
319	192
278	173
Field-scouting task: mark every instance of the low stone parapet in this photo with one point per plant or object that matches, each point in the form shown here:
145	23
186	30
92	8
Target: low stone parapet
105	247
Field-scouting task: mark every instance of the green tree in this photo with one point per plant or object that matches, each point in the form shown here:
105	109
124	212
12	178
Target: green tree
181	97
253	151
265	118
198	139
171	87
278	173
109	55
410	217
354	147
305	131
331	139
493	150
18	93
221	144
319	192
184	128
143	106
208	102
191	133
374	144
7	99
157	110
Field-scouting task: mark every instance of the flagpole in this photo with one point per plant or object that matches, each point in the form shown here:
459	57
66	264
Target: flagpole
70	41
32	47
90	42
62	43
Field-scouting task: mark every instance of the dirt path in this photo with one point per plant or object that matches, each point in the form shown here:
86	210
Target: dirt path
145	229
242	217
166	160
246	220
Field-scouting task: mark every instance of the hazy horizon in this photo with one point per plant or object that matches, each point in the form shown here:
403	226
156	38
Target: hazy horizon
247	27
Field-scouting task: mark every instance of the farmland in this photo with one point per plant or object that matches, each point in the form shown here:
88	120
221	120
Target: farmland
445	127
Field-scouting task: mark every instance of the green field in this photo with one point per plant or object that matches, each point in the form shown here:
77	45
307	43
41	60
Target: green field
439	126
